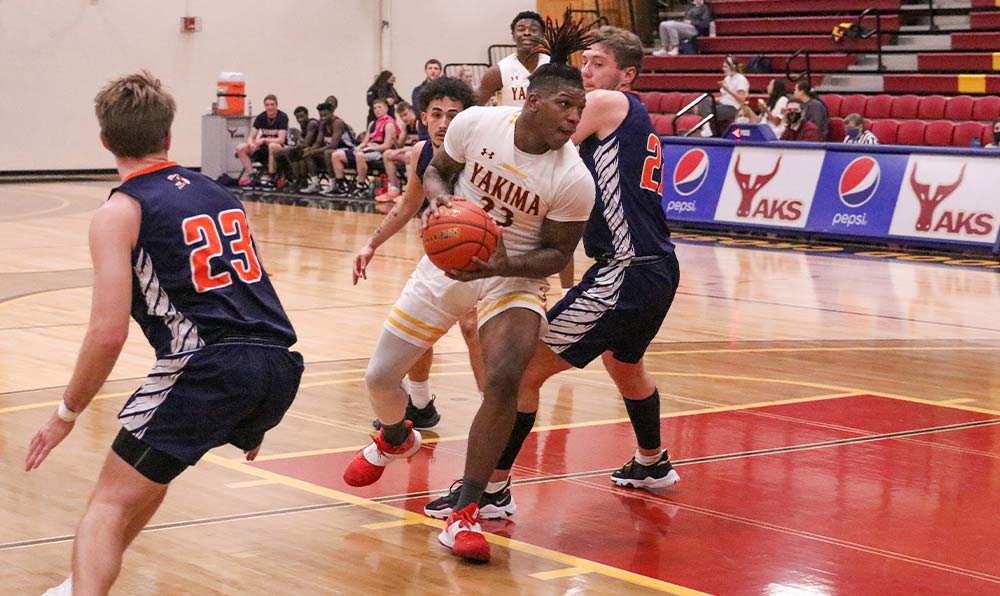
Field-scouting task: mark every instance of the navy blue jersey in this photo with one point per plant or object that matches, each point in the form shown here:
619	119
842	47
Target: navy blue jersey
627	219
426	155
268	128
196	277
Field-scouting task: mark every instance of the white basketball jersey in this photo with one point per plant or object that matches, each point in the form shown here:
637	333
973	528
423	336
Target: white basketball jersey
519	190
514	77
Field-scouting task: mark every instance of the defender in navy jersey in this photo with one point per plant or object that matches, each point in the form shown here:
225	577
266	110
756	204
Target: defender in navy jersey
619	305
443	98
174	248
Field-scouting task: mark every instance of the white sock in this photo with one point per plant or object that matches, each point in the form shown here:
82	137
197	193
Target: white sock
647	460
420	393
63	589
495	487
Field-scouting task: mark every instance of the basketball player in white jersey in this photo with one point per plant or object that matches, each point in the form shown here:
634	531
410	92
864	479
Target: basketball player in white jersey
519	166
509	77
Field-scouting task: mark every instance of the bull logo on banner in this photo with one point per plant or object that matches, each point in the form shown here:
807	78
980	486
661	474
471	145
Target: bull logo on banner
928	202
750	185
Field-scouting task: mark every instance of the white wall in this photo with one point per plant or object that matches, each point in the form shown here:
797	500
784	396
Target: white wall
56	54
449	30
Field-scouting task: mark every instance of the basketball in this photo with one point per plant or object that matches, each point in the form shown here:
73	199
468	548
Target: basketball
458	234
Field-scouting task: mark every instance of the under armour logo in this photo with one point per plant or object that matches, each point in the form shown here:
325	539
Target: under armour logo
487	153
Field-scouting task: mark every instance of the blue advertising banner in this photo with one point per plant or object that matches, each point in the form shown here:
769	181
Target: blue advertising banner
856	194
693	179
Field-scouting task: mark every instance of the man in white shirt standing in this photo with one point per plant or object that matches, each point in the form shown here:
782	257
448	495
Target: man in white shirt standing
509	77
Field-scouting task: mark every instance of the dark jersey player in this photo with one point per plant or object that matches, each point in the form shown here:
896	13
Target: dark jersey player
175	249
617	308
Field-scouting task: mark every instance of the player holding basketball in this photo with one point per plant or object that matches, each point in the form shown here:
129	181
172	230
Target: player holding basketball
519	166
618	307
444	98
176	249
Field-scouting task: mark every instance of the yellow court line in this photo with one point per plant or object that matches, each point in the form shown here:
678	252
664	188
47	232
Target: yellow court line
393	524
848	349
516	545
49	404
559	573
945	404
951	402
250	483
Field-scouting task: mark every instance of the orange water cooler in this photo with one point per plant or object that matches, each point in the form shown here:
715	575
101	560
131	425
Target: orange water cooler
231	93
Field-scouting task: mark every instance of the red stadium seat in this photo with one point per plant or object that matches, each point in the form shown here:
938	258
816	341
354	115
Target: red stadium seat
836	132
688	98
904	107
987	135
939	133
885	130
832	101
663	123
652	101
931	107
687	122
854	104
910	132
959	108
965	132
986	108
878	106
670	103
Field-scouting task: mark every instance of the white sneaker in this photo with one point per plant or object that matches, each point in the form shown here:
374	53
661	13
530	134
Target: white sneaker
674	52
63	589
660	53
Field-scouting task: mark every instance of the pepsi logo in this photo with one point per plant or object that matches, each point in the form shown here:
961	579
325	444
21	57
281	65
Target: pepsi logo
690	172
859	182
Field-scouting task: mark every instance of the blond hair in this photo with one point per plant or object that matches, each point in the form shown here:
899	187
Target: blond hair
135	114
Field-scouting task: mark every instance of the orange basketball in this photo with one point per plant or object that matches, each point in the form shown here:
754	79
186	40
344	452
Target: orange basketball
459	233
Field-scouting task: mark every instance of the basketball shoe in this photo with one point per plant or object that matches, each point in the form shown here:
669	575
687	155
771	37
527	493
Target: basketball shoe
498	505
422	418
463	535
659	474
368	465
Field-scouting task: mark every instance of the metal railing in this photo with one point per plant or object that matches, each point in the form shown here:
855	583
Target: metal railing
711	118
498	52
805	74
930	8
877	32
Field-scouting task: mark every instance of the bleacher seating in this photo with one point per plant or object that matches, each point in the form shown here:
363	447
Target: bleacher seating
950	100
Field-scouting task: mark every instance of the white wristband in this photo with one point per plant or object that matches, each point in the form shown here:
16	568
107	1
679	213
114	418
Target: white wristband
65	414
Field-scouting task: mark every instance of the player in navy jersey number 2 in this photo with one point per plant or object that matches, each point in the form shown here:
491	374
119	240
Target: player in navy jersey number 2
175	249
619	305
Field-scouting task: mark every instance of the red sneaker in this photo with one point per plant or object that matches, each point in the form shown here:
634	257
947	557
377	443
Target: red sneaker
367	466
463	535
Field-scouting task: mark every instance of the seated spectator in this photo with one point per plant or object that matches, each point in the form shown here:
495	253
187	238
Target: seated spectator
813	108
383	88
996	135
797	128
290	157
856	133
696	22
468	77
400	154
733	90
381	136
333	134
269	129
772	110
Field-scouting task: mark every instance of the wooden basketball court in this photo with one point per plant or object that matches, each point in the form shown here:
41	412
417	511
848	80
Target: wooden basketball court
835	422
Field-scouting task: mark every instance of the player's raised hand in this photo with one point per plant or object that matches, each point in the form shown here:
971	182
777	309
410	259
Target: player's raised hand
496	266
45	440
361	261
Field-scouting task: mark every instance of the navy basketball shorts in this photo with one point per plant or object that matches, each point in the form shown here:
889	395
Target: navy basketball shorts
260	155
224	393
614	308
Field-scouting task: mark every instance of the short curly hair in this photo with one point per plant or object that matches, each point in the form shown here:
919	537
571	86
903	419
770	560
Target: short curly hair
449	87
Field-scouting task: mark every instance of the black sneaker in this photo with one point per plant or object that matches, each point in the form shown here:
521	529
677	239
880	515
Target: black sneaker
422	418
498	505
658	475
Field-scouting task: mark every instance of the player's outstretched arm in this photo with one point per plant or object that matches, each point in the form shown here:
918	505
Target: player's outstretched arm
113	232
404	210
604	113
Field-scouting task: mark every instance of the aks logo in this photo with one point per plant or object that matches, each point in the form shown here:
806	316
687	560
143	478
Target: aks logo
750	185
690	172
859	182
929	202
